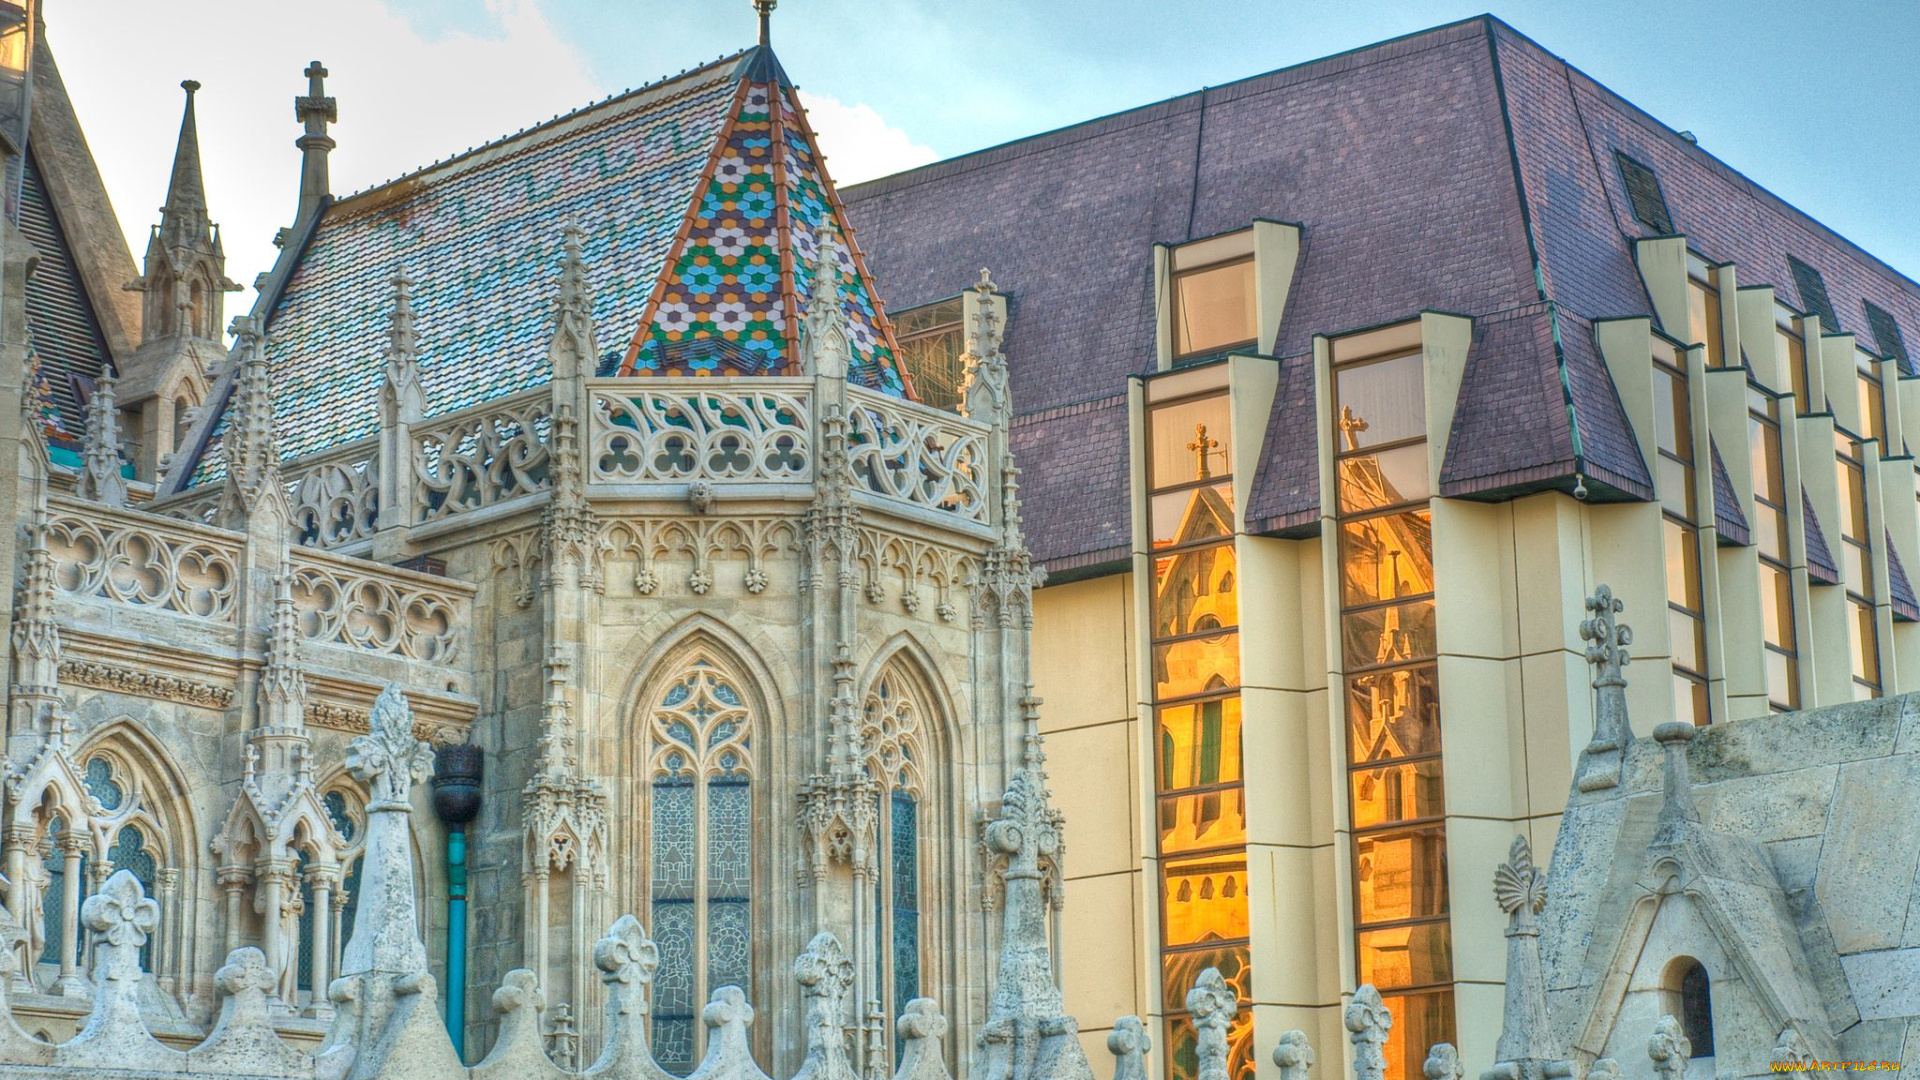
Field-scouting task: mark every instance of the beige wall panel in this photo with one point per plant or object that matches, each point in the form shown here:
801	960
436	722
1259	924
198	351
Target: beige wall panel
1284	892
1623	545
1663	267
1325	1029
1281	616
1474	592
1279	730
1090	772
1755	306
1556	701
1102	978
1477	1010
1549	572
1738	614
1081	651
1836	373
1474	848
1482	744
1445	341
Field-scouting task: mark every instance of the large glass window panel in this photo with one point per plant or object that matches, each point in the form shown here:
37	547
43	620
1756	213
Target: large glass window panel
1195	591
1856	569
1183	1062
1419	1020
1770	531
1401	874
1703	319
1179	971
1386	558
1766	460
1853	498
1783	680
1416	955
1863	641
1201	665
1191	515
1180	446
1387	635
1213	308
1199	744
1378	403
1683	564
1203	820
1388	478
1677	493
1689	640
1393	713
1672	427
1873	409
1204	899
1790	352
1690	699
1407	791
1776	606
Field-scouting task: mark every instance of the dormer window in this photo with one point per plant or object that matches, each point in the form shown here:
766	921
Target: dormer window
1213	296
931	342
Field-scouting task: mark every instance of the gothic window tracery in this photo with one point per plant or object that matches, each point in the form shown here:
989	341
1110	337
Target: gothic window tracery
700	760
891	739
348	819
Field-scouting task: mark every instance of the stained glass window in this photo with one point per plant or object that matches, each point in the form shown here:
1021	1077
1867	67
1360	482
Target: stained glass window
101	784
129	852
701	862
905	871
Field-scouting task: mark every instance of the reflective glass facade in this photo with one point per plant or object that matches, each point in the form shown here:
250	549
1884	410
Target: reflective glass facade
1201	812
1392	706
1677	485
1778	633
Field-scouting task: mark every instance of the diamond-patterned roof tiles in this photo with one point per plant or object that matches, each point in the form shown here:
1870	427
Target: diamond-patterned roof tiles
481	236
741	274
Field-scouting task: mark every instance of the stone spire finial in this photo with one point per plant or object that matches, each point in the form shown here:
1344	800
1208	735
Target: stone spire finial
250	444
401	398
626	958
183	219
1528	1048
315	110
1443	1063
1607	640
574	350
1212	1006
828	331
100	478
389	759
1669	1048
1293	1054
1129	1042
283	682
1676	804
825	975
983	380
1368	1024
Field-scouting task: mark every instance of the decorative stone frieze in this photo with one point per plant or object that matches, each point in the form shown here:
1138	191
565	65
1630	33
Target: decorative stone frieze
147	684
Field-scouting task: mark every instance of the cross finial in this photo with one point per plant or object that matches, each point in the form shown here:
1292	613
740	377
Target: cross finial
1201	447
765	8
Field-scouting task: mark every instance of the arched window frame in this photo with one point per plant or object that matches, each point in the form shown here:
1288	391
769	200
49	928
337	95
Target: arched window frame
701	771
894	735
343	806
133	781
1691	991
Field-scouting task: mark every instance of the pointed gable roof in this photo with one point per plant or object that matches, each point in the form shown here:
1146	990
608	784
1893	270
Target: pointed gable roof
734	293
481	235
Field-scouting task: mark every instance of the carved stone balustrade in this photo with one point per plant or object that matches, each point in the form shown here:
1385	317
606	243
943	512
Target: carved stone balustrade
480	457
681	431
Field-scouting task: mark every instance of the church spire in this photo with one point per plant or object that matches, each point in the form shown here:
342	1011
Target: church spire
183	220
765	10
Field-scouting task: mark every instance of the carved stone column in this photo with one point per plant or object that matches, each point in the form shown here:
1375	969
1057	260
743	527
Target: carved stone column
320	880
172	926
233	881
71	983
276	883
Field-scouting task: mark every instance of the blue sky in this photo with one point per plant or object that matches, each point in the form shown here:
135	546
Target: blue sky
1814	101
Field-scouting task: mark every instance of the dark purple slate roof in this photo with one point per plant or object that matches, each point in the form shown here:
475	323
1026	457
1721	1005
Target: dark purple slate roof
62	330
1906	607
1728	521
1461	169
1820	565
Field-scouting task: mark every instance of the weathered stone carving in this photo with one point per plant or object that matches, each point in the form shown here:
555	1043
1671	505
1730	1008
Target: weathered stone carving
1129	1043
1293	1054
1443	1063
1212	1006
1368	1024
1607	639
136	683
1528	1047
100	478
1669	1048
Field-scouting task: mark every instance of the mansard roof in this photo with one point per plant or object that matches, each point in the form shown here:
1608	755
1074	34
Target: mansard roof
1462	169
701	199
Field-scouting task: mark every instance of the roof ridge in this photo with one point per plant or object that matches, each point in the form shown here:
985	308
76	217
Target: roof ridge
544	126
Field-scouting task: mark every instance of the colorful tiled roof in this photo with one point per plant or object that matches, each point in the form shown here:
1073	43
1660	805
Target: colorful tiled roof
481	235
734	294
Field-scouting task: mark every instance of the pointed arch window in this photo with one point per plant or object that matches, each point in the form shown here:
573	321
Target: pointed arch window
891	740
347	817
701	844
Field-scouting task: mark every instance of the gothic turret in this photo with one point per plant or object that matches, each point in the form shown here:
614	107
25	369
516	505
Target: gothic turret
184	283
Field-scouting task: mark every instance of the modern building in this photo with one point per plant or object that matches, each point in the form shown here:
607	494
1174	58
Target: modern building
1339	388
739	545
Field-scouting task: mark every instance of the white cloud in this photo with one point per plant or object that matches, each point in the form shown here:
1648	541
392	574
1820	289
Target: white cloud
405	98
858	142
